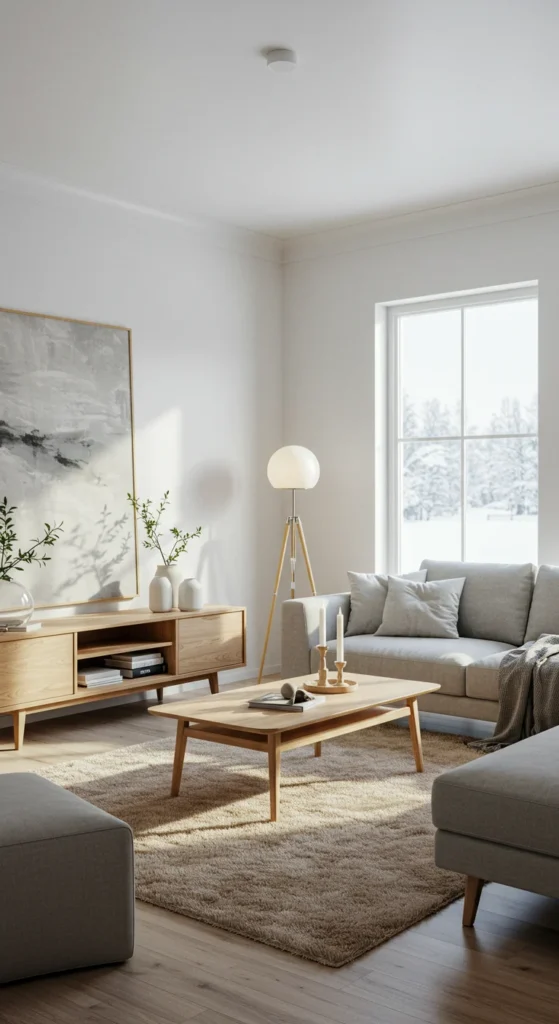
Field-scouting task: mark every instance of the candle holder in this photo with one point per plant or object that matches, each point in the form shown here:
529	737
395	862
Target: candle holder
336	684
340	665
322	668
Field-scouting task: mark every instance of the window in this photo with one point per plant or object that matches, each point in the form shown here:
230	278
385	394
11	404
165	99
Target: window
463	429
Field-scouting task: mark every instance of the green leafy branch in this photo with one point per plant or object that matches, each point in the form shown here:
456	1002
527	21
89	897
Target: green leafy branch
150	515
12	560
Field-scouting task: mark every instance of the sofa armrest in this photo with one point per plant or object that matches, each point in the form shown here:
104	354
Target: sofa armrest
299	629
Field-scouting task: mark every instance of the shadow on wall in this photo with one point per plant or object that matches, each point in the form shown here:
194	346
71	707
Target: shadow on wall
99	554
207	494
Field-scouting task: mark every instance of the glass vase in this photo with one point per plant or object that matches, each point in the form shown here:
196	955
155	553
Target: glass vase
16	604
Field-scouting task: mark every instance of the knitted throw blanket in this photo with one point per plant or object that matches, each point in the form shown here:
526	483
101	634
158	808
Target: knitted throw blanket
528	693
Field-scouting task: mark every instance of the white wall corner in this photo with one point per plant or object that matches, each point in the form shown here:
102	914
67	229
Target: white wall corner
208	232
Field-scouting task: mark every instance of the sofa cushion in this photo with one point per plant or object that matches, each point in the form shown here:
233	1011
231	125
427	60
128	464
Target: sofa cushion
482	677
495	600
368	597
510	797
421	609
544	610
429	660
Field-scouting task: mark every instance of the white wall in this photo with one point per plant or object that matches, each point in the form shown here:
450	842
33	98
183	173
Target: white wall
333	282
204	305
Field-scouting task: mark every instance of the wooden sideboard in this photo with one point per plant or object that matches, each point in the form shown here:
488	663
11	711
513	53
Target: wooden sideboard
39	670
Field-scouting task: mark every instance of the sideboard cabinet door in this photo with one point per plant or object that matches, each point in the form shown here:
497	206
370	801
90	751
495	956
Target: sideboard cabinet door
210	643
36	671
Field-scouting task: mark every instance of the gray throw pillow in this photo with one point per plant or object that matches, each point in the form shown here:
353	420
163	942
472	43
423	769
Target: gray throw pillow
368	594
422	609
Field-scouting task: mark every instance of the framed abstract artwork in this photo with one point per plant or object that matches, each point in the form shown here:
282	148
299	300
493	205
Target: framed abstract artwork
67	452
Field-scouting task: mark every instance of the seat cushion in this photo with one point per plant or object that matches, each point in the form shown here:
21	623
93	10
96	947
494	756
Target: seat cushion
33	809
510	797
495	601
544	610
482	677
429	660
368	598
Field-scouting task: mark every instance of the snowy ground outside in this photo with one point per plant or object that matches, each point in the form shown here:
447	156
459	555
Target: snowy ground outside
488	539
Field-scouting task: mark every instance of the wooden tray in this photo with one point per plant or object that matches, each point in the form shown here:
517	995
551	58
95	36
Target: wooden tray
347	687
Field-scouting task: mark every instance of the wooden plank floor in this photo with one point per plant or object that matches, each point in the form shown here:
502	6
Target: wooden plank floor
504	971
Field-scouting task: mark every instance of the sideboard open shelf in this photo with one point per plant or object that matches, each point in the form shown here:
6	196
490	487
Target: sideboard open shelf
39	670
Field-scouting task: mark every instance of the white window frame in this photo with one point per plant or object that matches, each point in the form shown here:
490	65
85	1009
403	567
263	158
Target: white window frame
395	313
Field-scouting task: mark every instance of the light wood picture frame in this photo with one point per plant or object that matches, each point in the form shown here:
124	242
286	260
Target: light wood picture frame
67	453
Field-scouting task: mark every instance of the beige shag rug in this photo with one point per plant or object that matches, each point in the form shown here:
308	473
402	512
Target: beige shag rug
349	865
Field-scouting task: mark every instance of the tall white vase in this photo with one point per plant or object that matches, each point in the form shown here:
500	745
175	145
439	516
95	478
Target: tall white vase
174	575
160	591
191	597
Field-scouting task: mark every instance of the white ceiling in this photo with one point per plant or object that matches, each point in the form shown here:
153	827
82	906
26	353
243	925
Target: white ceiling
396	105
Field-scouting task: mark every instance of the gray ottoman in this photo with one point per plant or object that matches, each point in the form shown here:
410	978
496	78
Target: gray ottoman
498	819
66	881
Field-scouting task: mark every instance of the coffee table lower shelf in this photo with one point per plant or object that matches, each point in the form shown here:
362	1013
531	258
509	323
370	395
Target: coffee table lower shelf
274	743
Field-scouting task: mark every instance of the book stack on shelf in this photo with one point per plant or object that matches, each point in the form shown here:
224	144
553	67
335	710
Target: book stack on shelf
137	663
91	675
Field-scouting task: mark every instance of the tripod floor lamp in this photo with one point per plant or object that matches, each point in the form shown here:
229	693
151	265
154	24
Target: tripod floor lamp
292	469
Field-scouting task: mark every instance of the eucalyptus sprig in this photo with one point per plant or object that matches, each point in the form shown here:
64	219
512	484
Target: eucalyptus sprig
150	514
13	561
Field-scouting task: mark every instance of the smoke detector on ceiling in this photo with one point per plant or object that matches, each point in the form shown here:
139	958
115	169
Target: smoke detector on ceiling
281	61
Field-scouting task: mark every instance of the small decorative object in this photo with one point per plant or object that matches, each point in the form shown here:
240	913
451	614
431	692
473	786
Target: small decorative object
322	669
293	694
16	603
160	591
151	519
340	665
191	597
67	444
292	468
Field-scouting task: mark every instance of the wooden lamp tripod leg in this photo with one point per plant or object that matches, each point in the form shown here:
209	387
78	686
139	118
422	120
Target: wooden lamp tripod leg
306	555
274	598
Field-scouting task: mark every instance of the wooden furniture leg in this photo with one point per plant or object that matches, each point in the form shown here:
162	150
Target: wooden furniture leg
471	900
317	749
274	599
306	556
214	682
415	732
274	755
180	751
18	718
159	693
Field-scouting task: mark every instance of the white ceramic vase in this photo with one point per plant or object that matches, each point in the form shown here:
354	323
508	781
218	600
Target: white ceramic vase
191	598
174	575
16	604
160	591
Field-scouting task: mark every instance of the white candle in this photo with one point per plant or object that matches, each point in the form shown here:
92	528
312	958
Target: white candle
340	636
322	625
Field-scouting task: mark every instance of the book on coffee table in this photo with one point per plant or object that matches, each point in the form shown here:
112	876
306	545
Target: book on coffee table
275	702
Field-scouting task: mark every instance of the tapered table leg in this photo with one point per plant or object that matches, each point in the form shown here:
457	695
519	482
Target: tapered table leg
274	740
159	693
317	749
180	751
18	718
214	682
471	900
415	733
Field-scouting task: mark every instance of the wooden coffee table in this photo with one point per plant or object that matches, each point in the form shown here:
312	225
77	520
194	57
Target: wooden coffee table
225	718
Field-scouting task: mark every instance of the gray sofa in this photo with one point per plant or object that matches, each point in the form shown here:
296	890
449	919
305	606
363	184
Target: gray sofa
68	881
497	819
501	607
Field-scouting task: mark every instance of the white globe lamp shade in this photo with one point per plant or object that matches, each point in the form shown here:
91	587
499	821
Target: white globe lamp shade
293	468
